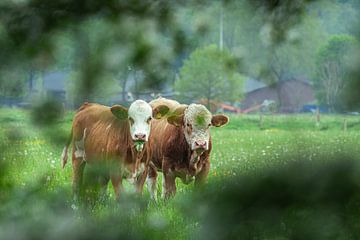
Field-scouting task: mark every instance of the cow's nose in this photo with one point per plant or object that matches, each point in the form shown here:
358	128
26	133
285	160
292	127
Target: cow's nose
140	136
200	144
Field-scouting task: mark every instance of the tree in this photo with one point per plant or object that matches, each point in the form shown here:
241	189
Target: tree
255	37
338	16
211	74
93	38
333	61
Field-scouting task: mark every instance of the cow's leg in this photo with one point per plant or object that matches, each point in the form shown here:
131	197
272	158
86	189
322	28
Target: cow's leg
78	171
103	182
140	181
78	163
201	177
152	183
169	186
116	181
64	156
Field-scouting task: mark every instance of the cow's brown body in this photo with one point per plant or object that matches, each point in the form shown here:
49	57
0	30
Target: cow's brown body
100	139
171	154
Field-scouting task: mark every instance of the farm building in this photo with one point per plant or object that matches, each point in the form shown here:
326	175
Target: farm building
289	96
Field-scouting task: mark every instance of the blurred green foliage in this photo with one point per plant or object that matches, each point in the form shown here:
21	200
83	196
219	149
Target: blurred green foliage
13	82
47	112
96	38
255	190
304	200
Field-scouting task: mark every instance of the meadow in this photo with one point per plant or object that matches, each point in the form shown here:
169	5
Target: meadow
36	198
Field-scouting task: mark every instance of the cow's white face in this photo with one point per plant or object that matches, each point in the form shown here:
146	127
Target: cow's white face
196	120
139	116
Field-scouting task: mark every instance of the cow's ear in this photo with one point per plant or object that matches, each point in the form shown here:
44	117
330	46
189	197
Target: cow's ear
219	120
177	117
176	120
160	111
119	111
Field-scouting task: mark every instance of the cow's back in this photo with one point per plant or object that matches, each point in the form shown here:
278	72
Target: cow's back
103	135
166	138
86	116
171	104
160	128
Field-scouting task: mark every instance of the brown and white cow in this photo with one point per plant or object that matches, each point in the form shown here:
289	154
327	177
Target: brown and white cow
181	145
115	138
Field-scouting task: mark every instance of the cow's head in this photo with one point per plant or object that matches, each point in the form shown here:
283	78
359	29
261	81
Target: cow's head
196	121
139	116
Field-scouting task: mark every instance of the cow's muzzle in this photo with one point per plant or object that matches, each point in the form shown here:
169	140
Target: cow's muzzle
140	137
200	144
199	147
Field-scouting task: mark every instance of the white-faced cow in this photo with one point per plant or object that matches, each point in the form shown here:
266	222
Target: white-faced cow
114	138
181	145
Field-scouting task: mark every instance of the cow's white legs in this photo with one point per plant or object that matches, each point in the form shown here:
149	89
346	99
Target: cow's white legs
151	182
64	156
80	147
152	187
78	163
163	187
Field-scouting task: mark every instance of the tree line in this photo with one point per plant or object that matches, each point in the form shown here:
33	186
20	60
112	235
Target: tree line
200	51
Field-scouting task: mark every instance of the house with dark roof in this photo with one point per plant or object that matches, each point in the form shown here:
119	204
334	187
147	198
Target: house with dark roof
290	96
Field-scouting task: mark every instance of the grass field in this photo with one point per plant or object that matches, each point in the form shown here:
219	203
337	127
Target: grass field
35	189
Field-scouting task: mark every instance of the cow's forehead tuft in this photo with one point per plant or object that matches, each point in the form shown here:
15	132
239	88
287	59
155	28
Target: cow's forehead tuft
197	114
140	107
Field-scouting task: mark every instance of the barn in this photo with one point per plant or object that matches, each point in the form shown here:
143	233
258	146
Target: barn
290	96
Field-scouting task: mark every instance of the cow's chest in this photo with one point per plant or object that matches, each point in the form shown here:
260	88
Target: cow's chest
187	173
128	171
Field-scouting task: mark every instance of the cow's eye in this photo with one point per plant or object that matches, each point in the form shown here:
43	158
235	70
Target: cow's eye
209	124
188	124
149	120
131	121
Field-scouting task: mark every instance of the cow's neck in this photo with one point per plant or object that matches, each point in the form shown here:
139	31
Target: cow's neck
196	161
138	155
135	153
184	153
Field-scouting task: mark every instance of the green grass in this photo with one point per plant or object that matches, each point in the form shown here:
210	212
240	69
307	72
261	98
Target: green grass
294	122
32	156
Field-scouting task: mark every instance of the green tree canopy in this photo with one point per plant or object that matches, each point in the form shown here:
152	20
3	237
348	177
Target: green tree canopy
210	74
